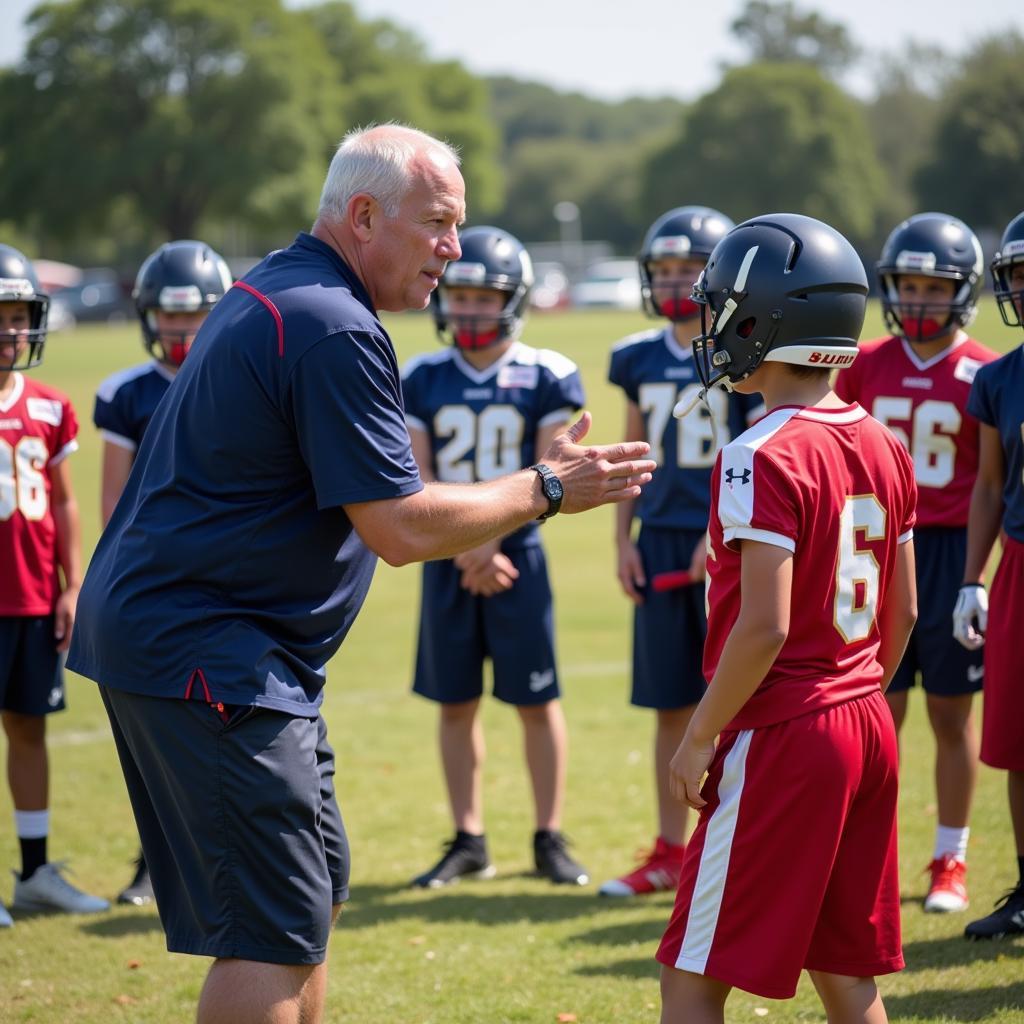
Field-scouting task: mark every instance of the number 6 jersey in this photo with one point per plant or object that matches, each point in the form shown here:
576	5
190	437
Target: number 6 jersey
924	403
37	430
835	488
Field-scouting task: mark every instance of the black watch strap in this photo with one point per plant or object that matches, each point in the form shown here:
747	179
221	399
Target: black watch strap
551	488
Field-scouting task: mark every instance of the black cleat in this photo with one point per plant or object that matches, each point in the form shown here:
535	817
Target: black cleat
465	856
1006	919
140	892
551	855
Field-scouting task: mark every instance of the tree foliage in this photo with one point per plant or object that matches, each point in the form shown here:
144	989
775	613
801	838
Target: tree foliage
780	33
772	137
976	165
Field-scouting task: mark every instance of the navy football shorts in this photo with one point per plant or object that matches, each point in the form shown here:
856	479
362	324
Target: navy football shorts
515	629
31	667
947	669
239	825
669	627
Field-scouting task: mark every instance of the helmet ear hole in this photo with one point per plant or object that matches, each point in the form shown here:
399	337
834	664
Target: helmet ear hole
745	328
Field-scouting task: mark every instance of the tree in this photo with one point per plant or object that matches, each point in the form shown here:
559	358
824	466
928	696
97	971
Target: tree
779	33
976	164
772	137
185	109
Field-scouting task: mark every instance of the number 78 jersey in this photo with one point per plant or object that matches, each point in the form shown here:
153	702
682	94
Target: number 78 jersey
836	489
924	403
37	430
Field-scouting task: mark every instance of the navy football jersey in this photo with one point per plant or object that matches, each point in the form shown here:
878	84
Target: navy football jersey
656	372
126	401
483	424
997	398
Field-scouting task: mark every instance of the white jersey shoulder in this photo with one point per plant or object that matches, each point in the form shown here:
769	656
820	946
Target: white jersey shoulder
110	387
558	365
651	334
427	359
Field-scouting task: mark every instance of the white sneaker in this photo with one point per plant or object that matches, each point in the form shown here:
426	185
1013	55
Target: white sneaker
6	921
47	889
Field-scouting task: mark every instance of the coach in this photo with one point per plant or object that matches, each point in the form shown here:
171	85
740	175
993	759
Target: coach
274	472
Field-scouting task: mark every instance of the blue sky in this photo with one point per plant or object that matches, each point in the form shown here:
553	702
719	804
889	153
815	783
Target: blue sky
648	48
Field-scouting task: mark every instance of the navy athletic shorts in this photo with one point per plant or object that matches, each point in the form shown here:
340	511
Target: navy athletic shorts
515	629
669	627
239	825
947	669
31	667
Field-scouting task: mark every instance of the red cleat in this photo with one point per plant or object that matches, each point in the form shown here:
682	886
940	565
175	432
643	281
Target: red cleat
658	872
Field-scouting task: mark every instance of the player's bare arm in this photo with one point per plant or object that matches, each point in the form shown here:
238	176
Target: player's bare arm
630	569
898	613
117	464
444	519
986	512
754	642
69	550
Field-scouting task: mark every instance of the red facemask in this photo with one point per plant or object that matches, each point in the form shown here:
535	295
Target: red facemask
678	308
921	328
468	338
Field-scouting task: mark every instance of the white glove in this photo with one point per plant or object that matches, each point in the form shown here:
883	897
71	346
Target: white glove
970	616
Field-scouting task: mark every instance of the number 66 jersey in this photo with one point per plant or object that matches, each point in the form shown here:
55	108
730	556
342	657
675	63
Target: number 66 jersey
836	489
37	430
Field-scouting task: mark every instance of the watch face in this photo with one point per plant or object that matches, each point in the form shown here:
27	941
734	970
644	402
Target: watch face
553	489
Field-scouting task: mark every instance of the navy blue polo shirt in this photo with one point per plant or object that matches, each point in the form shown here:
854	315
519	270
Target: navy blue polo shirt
230	571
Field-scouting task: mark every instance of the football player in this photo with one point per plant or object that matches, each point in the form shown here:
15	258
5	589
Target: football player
175	289
655	370
916	381
40	552
796	657
482	408
997	501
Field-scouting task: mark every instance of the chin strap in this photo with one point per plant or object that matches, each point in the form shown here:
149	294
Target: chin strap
680	409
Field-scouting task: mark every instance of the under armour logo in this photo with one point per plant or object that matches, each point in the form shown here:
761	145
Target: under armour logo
731	475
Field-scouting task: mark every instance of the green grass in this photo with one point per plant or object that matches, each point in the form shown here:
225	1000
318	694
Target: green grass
511	950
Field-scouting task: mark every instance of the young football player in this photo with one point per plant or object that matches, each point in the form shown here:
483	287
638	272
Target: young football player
485	407
40	552
997	400
916	382
811	601
175	289
655	370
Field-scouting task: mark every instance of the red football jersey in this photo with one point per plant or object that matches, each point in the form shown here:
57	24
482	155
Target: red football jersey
37	430
837	489
925	405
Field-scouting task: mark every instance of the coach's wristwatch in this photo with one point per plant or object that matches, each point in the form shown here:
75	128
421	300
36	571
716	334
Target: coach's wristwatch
551	488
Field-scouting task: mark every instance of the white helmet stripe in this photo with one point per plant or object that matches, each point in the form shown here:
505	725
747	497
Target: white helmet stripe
741	277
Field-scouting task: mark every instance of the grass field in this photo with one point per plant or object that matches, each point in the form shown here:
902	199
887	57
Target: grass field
514	949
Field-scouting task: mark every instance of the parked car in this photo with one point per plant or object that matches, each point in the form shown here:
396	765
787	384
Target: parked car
98	298
611	283
550	287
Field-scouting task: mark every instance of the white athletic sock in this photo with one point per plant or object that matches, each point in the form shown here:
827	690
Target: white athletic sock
951	841
32	824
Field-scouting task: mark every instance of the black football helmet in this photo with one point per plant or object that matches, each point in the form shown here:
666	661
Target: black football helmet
491	258
783	288
18	283
1010	254
180	277
687	232
933	245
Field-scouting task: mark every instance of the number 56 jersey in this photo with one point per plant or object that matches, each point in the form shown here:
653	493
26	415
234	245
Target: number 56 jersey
836	489
924	403
37	430
483	424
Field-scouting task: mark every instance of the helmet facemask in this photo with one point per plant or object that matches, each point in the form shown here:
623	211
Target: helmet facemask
1010	297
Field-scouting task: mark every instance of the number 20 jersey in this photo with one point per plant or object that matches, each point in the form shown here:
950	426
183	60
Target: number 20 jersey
37	430
924	403
655	372
483	424
836	489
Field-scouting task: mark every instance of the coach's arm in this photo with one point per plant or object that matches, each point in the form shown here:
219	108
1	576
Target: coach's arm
444	519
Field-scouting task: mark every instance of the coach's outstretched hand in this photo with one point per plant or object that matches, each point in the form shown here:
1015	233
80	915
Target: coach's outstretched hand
593	475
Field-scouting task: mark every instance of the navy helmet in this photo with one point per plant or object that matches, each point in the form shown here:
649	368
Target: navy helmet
180	277
783	288
494	259
686	232
931	245
19	283
1009	255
